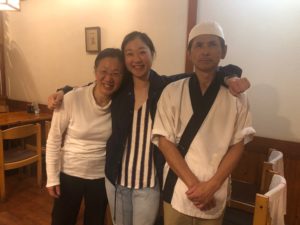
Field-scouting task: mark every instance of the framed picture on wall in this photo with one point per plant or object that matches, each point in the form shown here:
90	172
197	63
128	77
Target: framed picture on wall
93	39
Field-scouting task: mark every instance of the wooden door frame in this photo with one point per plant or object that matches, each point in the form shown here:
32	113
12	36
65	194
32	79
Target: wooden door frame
3	93
192	20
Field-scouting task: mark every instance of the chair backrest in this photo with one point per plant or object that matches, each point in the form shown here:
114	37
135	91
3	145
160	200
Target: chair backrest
275	163
20	152
270	207
246	179
265	177
21	132
276	159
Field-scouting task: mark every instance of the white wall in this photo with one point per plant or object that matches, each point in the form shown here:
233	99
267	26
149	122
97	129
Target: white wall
45	45
263	37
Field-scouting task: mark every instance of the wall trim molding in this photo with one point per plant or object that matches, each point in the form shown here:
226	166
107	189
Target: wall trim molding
289	148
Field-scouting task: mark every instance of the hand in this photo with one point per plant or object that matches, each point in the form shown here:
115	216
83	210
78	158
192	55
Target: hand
237	85
202	195
54	191
55	100
208	206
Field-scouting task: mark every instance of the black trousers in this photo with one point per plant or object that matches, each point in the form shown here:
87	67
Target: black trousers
73	190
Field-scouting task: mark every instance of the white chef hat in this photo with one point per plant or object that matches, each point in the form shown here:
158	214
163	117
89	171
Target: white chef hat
207	27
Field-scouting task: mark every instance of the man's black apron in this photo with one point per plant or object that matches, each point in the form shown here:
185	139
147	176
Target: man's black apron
201	106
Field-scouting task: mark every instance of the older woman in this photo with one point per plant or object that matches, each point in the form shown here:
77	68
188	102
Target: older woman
76	170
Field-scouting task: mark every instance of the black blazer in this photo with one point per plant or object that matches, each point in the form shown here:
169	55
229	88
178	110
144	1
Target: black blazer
122	109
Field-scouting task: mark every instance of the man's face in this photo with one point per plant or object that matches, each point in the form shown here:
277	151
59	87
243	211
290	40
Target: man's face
206	52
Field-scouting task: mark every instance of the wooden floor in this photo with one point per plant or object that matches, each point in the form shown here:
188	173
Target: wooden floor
26	204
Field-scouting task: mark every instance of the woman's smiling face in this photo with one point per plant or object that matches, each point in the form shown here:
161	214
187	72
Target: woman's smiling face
138	58
109	75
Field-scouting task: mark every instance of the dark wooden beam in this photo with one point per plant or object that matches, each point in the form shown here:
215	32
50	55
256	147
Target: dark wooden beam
192	20
3	93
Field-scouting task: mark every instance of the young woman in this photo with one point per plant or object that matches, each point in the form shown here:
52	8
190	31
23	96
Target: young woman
132	184
83	125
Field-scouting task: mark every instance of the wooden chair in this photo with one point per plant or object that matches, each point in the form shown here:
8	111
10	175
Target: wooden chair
246	201
22	153
243	194
266	210
245	180
270	207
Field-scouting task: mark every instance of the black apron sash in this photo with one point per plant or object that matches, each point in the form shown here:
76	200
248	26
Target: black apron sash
201	106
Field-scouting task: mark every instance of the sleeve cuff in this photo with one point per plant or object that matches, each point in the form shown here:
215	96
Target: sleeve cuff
156	133
247	134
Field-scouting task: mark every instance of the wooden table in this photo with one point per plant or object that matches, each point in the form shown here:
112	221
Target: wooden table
19	118
11	119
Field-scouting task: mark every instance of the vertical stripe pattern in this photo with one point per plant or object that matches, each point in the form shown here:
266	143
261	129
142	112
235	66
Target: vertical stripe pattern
138	169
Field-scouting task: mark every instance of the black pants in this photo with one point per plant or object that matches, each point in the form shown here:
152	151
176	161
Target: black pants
73	190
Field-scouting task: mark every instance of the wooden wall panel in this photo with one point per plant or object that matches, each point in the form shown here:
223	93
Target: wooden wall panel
192	20
250	167
292	175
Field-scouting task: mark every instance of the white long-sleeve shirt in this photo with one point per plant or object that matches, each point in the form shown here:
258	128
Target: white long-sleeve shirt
87	126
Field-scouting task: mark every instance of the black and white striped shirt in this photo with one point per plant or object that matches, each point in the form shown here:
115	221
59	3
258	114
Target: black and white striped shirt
138	169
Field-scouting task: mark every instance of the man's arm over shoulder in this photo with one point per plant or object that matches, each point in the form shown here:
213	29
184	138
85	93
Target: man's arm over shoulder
231	78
